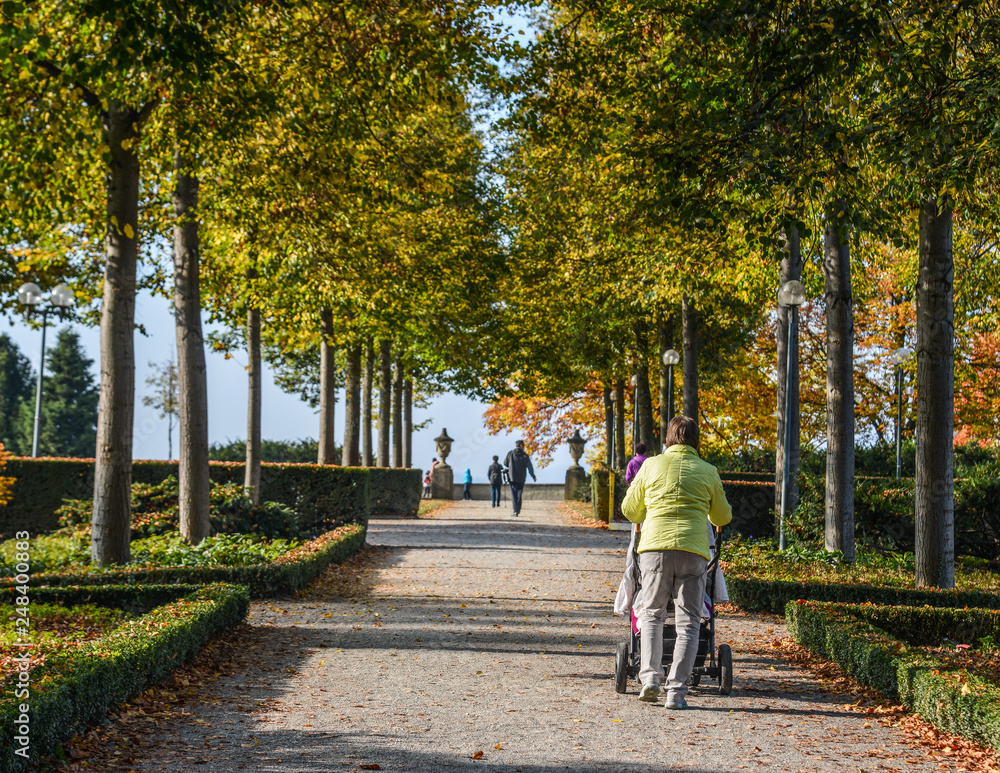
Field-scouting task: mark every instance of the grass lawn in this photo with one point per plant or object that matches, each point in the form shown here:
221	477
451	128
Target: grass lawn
428	506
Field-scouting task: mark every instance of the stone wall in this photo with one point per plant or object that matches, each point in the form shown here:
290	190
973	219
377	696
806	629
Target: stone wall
549	492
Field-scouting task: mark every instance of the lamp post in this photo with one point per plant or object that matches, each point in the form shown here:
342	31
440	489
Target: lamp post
61	300
670	358
791	295
614	425
897	358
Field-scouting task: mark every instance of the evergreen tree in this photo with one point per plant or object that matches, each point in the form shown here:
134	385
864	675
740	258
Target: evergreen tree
69	400
17	381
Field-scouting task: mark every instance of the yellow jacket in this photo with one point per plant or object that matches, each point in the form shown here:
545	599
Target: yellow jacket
672	495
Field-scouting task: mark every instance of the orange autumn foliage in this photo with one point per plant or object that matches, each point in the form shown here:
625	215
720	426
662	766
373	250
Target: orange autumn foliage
546	423
977	395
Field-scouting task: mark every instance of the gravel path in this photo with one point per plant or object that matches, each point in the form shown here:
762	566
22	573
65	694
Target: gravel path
487	644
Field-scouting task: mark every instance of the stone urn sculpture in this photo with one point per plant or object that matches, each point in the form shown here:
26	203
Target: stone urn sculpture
443	478
575	475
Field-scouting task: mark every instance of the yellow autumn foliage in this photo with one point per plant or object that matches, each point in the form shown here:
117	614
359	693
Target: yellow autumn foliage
6	484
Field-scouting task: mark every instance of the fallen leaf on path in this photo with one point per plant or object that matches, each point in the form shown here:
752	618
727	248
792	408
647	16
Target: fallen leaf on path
476	756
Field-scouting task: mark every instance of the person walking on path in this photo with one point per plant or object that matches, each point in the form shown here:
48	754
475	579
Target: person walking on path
495	476
518	465
467	493
428	482
635	463
671	496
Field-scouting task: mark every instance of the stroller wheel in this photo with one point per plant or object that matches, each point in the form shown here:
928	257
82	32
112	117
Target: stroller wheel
725	669
621	667
695	680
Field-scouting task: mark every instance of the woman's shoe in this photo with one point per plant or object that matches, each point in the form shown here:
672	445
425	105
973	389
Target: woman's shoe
649	693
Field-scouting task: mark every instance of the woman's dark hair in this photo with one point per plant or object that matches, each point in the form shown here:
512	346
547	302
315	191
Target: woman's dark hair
640	448
682	431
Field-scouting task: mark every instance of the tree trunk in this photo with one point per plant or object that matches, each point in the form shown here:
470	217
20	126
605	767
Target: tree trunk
791	268
689	330
251	473
619	425
839	388
397	413
192	384
665	340
112	513
408	423
643	399
384	402
935	485
367	379
352	408
609	427
327	390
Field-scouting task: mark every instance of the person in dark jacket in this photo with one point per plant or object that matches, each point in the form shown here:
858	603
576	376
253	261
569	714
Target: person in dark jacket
495	477
518	465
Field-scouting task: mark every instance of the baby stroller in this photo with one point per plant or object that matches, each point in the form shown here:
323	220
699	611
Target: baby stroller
707	663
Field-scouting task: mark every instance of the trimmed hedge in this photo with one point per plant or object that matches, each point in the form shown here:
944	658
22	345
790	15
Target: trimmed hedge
752	501
599	491
72	689
753	507
322	497
870	643
287	574
755	595
394	491
753	477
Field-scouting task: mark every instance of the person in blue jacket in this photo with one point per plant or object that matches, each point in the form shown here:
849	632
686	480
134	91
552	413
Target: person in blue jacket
467	494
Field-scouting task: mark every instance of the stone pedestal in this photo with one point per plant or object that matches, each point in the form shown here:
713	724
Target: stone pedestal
443	482
575	477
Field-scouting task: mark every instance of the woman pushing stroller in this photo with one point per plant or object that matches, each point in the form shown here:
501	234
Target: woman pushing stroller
671	496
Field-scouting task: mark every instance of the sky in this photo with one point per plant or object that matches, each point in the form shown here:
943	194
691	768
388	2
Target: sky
284	416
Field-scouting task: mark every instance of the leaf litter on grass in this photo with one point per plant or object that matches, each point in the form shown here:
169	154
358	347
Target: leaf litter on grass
55	629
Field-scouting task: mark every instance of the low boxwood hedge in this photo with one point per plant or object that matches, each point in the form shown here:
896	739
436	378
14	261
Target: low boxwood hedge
759	595
286	574
872	644
74	688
